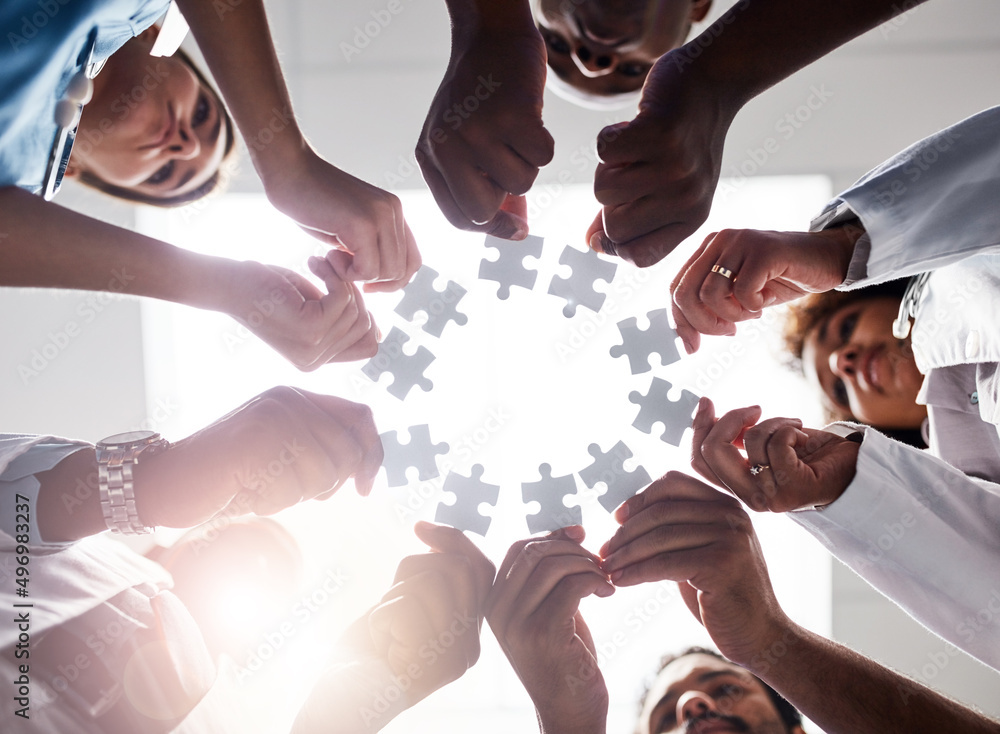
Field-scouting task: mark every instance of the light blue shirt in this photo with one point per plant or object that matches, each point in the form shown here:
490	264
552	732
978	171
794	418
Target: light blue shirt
41	43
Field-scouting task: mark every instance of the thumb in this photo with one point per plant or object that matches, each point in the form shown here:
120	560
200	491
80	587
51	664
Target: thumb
511	222
597	240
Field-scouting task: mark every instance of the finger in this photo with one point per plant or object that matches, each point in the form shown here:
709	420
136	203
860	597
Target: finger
536	148
756	439
620	184
444	539
413	263
723	456
521	603
571	533
621	143
505	168
664	538
499	224
704	421
697	279
562	603
559	558
674	486
363	445
651	245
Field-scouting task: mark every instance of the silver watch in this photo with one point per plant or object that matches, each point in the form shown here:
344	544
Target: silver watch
116	455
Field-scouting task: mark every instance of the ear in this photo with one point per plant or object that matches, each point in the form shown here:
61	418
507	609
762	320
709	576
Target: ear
699	9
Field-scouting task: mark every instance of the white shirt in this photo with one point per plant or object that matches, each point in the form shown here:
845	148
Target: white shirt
915	526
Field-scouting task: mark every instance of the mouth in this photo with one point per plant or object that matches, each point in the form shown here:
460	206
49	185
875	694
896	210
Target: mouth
166	132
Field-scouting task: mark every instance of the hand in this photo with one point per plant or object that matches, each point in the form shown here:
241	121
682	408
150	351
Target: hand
306	326
682	530
360	221
483	140
768	268
283	447
534	613
659	171
806	468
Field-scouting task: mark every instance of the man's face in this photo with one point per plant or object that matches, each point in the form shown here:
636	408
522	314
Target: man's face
700	694
606	47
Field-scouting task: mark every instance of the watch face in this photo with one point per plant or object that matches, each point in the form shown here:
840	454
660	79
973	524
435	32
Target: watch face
129	438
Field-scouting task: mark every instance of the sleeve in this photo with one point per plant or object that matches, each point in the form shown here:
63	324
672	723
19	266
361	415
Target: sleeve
21	457
929	206
926	536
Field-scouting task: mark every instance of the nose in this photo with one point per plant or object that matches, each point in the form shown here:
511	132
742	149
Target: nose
844	361
185	144
594	60
694	705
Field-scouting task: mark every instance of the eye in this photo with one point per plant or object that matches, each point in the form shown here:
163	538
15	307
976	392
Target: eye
556	43
632	69
201	111
667	723
162	175
847	325
728	690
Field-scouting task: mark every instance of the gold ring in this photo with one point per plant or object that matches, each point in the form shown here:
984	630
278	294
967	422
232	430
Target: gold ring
724	272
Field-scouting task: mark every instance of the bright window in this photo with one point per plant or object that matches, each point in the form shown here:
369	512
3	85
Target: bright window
518	386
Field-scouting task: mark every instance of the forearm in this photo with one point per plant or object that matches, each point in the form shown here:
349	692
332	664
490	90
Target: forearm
48	246
757	43
489	15
236	42
353	698
69	506
844	692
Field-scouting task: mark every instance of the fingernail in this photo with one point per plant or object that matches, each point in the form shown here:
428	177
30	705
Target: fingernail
595	242
605	590
622	513
603	552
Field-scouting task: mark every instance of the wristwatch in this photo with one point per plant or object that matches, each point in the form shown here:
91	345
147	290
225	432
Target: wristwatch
116	455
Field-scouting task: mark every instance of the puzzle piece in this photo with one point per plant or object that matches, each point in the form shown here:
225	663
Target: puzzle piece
638	344
470	492
549	493
407	369
655	407
420	452
578	290
609	468
509	270
440	306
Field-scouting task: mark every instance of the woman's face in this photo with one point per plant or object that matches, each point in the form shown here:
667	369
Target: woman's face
152	126
607	47
864	372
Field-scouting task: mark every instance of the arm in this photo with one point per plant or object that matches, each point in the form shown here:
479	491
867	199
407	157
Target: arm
423	635
659	172
48	246
480	157
333	206
534	611
931	205
683	530
282	447
902	519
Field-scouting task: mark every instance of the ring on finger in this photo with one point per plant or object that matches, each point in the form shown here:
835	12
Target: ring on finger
758	468
723	271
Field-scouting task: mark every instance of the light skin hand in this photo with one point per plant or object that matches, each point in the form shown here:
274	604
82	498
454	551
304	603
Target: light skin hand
479	158
283	447
769	268
682	530
808	468
534	613
352	216
425	631
308	327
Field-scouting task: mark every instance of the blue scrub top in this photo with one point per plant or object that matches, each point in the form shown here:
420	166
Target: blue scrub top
41	42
